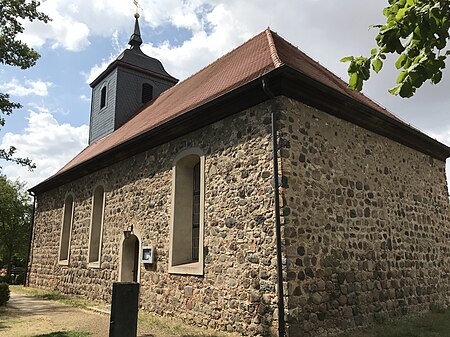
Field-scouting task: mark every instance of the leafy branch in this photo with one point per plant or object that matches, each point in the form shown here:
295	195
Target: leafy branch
417	31
16	53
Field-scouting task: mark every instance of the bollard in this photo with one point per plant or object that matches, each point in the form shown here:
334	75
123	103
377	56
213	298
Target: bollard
124	309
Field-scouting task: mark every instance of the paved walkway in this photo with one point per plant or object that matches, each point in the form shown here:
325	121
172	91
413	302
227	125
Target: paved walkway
28	316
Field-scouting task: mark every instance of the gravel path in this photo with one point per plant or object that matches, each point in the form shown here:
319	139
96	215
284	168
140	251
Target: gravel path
26	316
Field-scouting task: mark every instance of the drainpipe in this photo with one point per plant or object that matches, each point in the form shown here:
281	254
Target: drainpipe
281	323
27	270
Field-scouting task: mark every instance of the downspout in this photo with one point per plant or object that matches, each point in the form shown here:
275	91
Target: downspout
30	239
281	323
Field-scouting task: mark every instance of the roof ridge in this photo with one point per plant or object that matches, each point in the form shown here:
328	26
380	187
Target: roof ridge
273	49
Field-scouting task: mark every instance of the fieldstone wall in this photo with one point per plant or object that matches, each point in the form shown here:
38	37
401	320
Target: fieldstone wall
366	225
238	290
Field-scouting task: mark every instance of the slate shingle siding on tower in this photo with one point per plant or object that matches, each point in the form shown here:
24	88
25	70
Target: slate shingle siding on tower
129	94
103	119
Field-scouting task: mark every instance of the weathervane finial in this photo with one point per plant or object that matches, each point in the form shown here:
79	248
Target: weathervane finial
135	39
136	3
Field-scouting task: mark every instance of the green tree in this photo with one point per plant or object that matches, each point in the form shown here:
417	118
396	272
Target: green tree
14	52
15	218
417	31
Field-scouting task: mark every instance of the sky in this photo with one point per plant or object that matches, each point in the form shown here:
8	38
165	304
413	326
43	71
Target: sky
84	36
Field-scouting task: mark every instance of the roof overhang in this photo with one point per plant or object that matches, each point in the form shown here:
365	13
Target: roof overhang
306	90
117	63
282	81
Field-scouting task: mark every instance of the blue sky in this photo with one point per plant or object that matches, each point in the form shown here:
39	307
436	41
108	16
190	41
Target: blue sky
187	35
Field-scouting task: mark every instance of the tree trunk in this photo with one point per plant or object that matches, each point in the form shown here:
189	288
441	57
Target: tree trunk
9	260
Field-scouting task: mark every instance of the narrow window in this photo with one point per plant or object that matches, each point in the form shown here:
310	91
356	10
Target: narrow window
147	93
103	97
195	211
95	237
186	240
66	227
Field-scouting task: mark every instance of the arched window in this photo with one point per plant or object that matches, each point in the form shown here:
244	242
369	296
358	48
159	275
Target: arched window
103	97
95	237
195	210
186	240
147	93
66	229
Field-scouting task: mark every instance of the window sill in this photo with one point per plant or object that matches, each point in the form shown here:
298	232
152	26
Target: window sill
94	265
63	262
193	268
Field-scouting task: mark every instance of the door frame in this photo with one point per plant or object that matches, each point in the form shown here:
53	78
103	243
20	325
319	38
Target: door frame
139	257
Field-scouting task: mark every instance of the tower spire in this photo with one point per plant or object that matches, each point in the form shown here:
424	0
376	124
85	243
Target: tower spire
135	38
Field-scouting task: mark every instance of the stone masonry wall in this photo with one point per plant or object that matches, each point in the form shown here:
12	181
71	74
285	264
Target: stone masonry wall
366	225
237	292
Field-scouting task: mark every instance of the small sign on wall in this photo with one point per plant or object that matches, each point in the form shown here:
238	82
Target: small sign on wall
148	254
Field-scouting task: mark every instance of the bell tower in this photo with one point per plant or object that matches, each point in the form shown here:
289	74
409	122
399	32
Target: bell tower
128	83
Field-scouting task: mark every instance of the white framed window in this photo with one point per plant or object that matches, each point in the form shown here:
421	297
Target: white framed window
66	230
187	214
96	229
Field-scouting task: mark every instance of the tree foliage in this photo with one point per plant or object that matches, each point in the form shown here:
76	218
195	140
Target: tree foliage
15	217
417	31
14	52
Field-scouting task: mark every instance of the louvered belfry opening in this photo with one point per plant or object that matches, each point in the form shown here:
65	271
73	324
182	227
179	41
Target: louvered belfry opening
147	93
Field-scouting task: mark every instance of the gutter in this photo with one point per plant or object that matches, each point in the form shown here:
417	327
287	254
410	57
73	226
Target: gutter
30	239
281	322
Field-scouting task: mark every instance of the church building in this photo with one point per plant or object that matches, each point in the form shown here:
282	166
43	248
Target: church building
258	195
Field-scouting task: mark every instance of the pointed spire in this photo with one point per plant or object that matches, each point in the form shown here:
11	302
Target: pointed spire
135	38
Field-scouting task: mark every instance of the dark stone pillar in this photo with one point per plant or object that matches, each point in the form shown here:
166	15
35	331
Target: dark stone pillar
124	309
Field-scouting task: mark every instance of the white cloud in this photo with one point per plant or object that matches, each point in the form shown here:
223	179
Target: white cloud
85	99
45	141
443	137
63	31
218	26
224	33
72	25
37	88
98	68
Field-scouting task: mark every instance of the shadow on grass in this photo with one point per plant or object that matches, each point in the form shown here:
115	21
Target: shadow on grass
65	334
431	324
4	315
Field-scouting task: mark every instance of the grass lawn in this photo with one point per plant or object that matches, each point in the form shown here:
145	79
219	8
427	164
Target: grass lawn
432	324
53	295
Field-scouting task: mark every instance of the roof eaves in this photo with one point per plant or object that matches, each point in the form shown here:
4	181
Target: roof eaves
316	94
224	105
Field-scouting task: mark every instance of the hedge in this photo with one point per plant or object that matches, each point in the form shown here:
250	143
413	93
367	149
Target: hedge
4	293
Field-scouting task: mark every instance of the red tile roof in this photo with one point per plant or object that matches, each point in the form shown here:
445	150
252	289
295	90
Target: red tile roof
260	55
